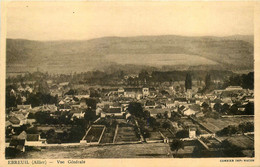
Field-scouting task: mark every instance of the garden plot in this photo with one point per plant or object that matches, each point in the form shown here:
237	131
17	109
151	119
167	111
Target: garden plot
167	133
126	134
155	136
108	135
94	134
215	125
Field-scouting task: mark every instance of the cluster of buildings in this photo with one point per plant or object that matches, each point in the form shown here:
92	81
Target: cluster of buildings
159	102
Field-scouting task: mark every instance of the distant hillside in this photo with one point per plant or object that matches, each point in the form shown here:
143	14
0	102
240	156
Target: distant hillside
168	51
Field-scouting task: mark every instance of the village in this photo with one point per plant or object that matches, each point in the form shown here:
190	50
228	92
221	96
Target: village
187	118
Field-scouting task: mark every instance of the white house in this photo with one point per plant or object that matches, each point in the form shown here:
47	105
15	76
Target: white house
189	111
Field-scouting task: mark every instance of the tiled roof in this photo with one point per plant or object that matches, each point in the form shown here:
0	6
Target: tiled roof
32	137
14	120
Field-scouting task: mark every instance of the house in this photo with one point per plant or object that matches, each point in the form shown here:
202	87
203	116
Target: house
82	96
29	89
20	89
170	104
48	107
34	140
130	94
64	84
121	91
194	109
192	133
145	92
189	111
8	123
227	100
17	120
14	121
83	103
24	107
133	92
18	142
104	103
128	115
12	92
199	114
61	102
181	108
112	111
149	104
78	113
241	109
154	111
64	107
98	111
232	88
180	101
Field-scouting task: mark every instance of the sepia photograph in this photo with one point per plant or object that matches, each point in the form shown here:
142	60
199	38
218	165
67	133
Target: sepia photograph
123	80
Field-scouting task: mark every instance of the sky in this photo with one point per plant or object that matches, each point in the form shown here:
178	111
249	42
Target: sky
87	20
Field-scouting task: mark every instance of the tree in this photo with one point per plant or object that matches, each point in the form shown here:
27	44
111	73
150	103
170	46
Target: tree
143	75
205	105
232	149
31	116
43	117
92	103
153	123
10	101
234	109
166	125
225	108
248	81
164	92
249	109
182	134
51	136
32	130
136	109
217	107
159	116
165	114
188	82
207	81
246	127
175	145
75	98
146	114
146	133
76	133
90	115
227	131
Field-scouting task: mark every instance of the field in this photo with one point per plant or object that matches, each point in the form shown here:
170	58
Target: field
45	128
189	147
160	59
211	142
94	134
126	134
155	135
167	133
108	135
218	124
189	123
242	142
83	56
152	150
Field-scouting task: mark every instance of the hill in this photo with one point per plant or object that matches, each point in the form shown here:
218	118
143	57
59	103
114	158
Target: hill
163	52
